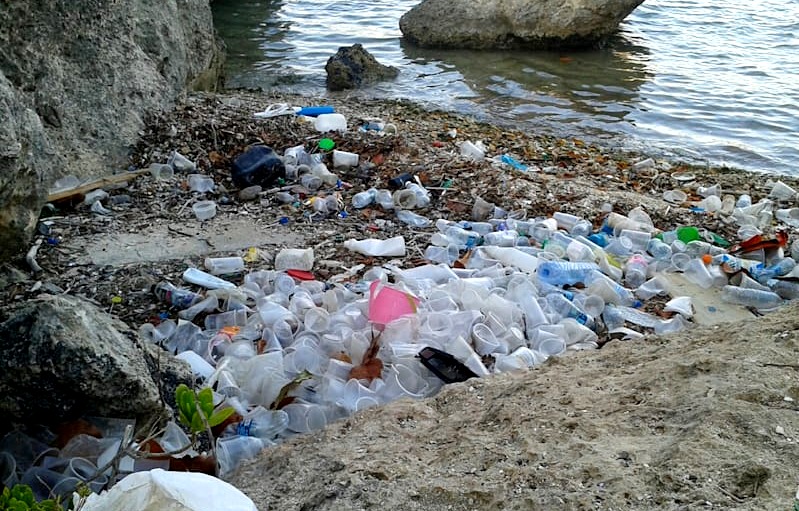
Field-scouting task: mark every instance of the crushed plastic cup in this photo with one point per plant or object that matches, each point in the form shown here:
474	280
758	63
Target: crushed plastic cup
180	163
682	305
675	196
231	451
475	151
782	191
204	210
200	183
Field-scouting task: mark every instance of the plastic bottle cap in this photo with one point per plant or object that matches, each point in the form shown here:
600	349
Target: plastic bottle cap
707	259
326	144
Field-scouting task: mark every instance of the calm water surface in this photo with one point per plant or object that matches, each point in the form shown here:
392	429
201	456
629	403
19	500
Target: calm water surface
714	81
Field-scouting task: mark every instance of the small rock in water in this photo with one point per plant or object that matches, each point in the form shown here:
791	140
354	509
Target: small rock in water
353	66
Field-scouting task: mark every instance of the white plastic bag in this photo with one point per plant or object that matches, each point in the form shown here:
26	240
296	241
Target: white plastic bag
159	490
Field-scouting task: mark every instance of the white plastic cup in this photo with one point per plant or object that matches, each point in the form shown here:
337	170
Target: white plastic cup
781	191
204	210
200	183
304	417
344	159
231	451
224	265
161	171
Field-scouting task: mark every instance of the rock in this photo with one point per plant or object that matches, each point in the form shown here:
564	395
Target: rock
353	67
537	24
250	193
62	357
77	81
23	153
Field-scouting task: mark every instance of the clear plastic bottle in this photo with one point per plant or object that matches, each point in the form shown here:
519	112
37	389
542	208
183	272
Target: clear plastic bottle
558	273
781	268
179	298
785	288
412	219
751	297
263	424
224	265
462	237
363	199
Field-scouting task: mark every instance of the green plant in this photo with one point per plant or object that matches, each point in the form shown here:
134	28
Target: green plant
196	409
20	498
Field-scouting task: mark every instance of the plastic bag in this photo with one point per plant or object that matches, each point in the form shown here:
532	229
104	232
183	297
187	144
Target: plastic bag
157	490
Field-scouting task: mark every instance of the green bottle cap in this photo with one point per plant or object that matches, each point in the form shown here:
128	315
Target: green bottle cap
326	144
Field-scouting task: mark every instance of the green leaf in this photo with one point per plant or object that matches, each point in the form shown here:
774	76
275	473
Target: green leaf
220	416
197	424
206	400
186	404
185	420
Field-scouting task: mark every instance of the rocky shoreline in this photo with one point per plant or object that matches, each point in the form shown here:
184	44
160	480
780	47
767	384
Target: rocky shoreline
676	422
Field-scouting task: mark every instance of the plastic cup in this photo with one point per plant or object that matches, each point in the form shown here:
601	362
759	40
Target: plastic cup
47	484
304	417
174	438
343	159
781	191
8	470
180	163
317	320
226	384
311	182
200	183
161	171
485	342
675	196
231	451
224	265
204	210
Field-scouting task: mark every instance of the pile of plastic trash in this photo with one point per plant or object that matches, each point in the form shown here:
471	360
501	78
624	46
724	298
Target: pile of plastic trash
291	354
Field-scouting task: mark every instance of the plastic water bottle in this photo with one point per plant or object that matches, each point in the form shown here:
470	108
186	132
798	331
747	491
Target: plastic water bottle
412	219
635	271
178	297
363	199
750	297
763	273
785	288
263	424
558	273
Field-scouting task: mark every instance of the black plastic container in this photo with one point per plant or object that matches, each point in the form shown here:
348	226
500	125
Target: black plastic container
258	165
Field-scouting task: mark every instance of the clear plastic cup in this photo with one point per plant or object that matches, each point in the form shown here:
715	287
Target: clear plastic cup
305	417
204	210
231	451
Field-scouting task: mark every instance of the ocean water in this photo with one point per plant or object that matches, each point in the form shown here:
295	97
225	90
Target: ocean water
714	81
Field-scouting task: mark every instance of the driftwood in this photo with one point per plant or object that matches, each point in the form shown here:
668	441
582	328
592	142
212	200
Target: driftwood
94	185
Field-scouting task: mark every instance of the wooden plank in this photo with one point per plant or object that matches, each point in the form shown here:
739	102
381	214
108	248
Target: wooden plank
94	185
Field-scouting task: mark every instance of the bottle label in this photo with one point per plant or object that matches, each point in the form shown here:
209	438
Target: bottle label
244	428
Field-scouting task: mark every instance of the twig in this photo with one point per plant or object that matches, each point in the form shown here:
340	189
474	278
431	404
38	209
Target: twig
30	257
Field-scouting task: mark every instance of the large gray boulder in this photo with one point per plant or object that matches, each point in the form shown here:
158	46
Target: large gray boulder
62	357
533	24
78	79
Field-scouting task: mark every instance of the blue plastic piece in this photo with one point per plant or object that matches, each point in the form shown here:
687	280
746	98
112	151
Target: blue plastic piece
314	111
513	163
